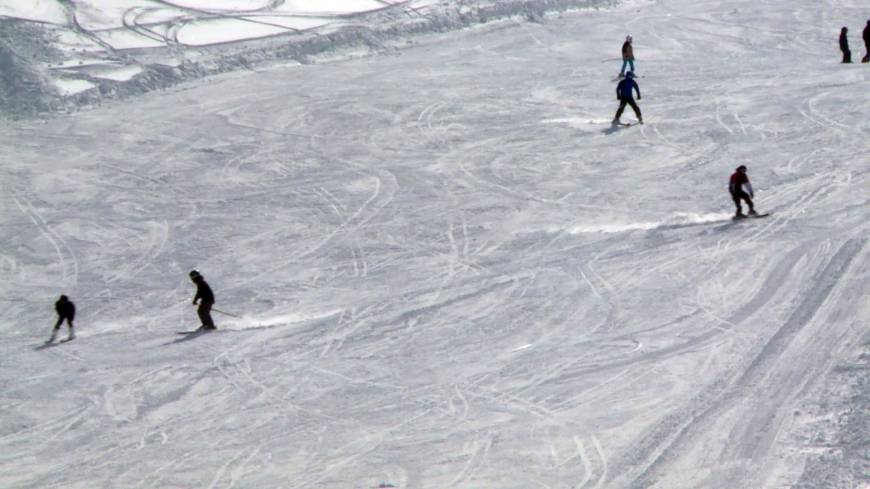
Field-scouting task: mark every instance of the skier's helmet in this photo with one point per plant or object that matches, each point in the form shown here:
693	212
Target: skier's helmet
194	274
628	38
64	298
630	74
741	168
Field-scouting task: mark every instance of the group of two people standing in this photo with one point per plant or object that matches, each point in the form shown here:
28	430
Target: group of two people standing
627	85
844	44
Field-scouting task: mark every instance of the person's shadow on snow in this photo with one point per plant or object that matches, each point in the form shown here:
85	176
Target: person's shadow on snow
187	337
613	128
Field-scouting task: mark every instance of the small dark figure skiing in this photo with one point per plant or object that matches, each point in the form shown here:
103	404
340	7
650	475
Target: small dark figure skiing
627	56
844	45
206	300
866	36
66	310
741	189
624	93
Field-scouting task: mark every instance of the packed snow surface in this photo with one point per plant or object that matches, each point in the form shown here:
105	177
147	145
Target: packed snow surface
445	268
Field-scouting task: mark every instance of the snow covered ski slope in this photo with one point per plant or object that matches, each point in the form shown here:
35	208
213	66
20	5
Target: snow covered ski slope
451	272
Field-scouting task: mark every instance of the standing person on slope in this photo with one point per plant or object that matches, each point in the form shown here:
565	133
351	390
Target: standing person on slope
206	298
844	45
740	188
866	36
66	310
624	93
627	56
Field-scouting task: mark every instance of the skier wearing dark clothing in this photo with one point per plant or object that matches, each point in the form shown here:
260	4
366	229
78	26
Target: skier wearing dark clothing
206	300
66	311
844	45
740	188
624	93
866	36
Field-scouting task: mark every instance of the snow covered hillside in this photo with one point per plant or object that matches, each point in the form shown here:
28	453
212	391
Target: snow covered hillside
92	36
450	271
60	55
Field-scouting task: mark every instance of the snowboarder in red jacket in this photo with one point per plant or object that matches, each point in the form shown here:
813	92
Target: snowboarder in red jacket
740	188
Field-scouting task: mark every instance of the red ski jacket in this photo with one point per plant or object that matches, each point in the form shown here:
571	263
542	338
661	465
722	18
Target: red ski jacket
738	182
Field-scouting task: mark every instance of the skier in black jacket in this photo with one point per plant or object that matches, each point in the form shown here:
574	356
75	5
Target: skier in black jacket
625	96
66	310
844	45
206	300
866	36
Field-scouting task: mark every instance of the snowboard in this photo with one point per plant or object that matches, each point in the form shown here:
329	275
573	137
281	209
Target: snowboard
756	216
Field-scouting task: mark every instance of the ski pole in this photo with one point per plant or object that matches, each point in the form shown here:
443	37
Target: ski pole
225	313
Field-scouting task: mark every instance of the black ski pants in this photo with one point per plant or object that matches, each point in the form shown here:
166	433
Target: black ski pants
847	56
744	196
204	312
60	319
622	103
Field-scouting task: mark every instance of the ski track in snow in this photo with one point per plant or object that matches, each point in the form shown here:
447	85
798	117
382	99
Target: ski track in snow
449	270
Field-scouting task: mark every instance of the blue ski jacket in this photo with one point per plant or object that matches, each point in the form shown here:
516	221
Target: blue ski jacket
623	90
